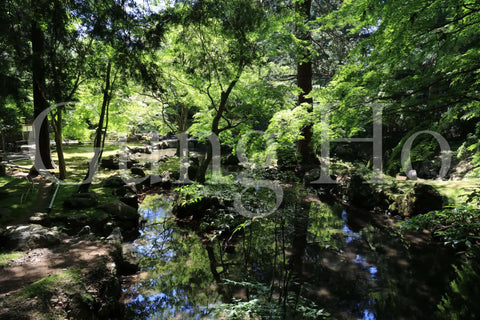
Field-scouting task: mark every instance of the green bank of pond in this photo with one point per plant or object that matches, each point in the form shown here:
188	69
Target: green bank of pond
308	260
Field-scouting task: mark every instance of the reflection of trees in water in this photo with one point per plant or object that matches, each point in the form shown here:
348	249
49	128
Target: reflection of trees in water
291	264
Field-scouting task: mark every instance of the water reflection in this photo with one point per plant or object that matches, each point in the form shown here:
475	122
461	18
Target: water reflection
294	264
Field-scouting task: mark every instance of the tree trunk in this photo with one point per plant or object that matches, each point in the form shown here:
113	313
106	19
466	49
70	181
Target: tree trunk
42	150
57	128
202	171
304	82
99	141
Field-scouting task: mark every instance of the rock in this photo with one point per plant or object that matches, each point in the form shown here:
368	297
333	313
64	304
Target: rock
130	259
130	199
109	163
125	217
137	171
120	211
3	171
114	182
116	236
86	230
427	169
39	218
123	190
461	170
81	201
147	165
412	175
31	236
142	149
422	199
119	160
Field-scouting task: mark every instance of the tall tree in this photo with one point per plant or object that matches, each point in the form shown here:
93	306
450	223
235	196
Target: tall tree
213	44
40	103
305	58
418	58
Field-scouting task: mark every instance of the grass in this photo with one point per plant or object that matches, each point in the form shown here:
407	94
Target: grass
17	196
6	257
68	280
37	301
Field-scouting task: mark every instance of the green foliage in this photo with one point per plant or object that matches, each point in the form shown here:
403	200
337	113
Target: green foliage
259	307
457	227
189	194
461	301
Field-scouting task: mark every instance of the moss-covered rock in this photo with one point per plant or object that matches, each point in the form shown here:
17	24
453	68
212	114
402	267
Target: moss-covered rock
25	237
422	199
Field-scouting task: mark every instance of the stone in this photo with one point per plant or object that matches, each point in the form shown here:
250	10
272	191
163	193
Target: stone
125	217
86	230
81	201
114	182
116	236
123	190
39	218
137	171
422	199
31	236
130	259
120	210
130	199
140	149
412	175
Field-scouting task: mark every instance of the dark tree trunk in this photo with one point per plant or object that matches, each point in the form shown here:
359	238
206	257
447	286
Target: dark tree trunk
299	242
304	82
40	103
100	135
57	128
222	107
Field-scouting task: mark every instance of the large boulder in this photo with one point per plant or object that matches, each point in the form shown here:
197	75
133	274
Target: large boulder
138	171
119	160
81	201
123	216
30	236
120	211
130	199
130	259
422	199
114	182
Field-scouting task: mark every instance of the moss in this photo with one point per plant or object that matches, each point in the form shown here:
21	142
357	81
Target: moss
17	195
45	298
6	257
69	280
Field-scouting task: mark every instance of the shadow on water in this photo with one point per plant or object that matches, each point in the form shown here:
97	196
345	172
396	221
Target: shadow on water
295	264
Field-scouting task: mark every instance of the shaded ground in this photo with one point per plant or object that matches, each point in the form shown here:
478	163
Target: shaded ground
38	263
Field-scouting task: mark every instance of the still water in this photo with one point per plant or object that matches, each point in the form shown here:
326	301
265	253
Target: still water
326	264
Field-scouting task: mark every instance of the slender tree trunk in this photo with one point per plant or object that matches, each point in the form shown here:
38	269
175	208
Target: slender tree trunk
57	128
304	82
99	141
299	242
216	127
42	153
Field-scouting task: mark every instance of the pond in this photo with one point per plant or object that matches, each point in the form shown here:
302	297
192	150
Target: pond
308	260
